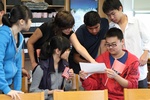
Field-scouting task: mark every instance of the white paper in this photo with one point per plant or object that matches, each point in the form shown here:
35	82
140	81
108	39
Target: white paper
91	68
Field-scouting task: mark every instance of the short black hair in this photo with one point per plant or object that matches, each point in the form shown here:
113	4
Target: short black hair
91	18
110	5
1	6
114	32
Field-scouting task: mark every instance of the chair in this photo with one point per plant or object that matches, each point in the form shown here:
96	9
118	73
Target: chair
136	94
24	84
26	96
81	95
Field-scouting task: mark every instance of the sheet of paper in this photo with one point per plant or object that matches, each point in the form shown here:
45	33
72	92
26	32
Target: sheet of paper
92	67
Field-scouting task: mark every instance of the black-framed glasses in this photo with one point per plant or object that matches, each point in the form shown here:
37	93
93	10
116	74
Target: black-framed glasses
110	45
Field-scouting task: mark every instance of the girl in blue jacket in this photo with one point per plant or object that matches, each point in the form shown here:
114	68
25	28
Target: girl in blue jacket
11	43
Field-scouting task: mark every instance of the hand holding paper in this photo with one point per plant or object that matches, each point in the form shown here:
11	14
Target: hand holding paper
118	67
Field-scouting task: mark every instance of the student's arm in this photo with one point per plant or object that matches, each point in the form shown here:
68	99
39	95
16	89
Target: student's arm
145	36
18	76
3	45
36	79
112	74
80	49
102	48
131	78
144	58
30	44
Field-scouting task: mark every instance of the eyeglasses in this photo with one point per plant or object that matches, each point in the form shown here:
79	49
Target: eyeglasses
111	45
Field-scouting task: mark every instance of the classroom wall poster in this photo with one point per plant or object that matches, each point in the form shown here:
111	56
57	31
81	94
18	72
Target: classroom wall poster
79	7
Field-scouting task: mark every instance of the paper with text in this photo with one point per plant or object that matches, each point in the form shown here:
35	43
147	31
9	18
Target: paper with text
118	66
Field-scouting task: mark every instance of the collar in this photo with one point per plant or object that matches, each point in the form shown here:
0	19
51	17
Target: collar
131	20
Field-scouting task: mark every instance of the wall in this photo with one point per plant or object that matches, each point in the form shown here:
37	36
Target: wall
128	7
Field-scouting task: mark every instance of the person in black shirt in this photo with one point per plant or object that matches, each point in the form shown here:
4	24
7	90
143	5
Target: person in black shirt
91	36
62	25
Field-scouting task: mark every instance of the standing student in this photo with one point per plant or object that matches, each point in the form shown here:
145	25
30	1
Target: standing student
91	36
136	35
11	42
47	76
62	25
113	79
1	12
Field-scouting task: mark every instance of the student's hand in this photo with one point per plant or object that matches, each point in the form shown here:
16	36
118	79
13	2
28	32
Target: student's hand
83	75
144	58
25	73
71	74
15	94
111	73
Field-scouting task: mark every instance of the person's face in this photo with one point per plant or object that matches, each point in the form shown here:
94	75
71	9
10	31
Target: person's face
67	31
115	15
94	29
26	25
65	54
114	45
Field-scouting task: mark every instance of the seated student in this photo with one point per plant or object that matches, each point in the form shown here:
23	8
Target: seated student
47	76
112	79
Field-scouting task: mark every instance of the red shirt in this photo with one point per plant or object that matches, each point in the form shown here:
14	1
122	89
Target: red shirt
115	90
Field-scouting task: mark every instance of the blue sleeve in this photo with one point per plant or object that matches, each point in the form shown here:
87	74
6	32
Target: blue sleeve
18	76
3	45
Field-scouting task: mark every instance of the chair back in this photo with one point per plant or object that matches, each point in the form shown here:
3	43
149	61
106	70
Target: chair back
136	94
25	96
24	87
81	95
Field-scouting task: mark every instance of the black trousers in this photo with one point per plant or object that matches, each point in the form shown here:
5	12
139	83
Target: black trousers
143	83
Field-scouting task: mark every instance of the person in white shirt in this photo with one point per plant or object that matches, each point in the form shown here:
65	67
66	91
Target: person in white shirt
136	35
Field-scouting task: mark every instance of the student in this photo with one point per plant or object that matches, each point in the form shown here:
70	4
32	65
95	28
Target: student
11	49
1	12
62	25
47	76
136	35
91	36
112	80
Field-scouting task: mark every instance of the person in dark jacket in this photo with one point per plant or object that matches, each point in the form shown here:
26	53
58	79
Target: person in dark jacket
47	76
91	36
